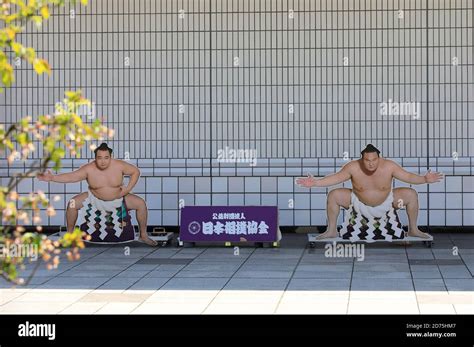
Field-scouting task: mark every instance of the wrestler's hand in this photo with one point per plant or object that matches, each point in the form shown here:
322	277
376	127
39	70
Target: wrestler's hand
46	176
123	192
306	182
433	177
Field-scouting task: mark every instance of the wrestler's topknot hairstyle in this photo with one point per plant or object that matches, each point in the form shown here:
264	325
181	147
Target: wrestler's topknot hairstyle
103	147
370	148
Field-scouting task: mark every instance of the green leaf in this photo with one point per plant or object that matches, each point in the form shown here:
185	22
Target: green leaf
22	138
57	154
49	144
7	143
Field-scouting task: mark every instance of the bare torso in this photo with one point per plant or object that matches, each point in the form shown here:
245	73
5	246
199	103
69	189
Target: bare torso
372	188
105	184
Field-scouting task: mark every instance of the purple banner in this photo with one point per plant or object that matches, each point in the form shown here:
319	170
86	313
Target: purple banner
229	223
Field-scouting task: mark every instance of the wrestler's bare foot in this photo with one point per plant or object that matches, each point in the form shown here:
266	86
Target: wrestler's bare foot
145	239
418	233
328	234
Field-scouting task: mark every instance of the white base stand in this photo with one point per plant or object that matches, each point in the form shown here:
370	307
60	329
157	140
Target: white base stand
312	239
163	239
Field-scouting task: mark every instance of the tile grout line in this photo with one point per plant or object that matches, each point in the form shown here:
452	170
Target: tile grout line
441	273
56	276
90	290
169	279
350	285
412	280
230	278
460	256
291	277
132	277
102	283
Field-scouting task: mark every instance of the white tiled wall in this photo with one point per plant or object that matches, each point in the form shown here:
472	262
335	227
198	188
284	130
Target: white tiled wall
450	202
283	62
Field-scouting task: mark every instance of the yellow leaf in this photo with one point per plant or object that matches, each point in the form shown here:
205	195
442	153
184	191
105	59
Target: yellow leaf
10	33
30	54
73	96
37	20
45	12
84	2
77	120
41	66
12	18
6	72
17	48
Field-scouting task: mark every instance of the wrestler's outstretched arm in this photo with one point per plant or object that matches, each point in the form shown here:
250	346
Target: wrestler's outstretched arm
401	174
133	172
327	181
70	177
